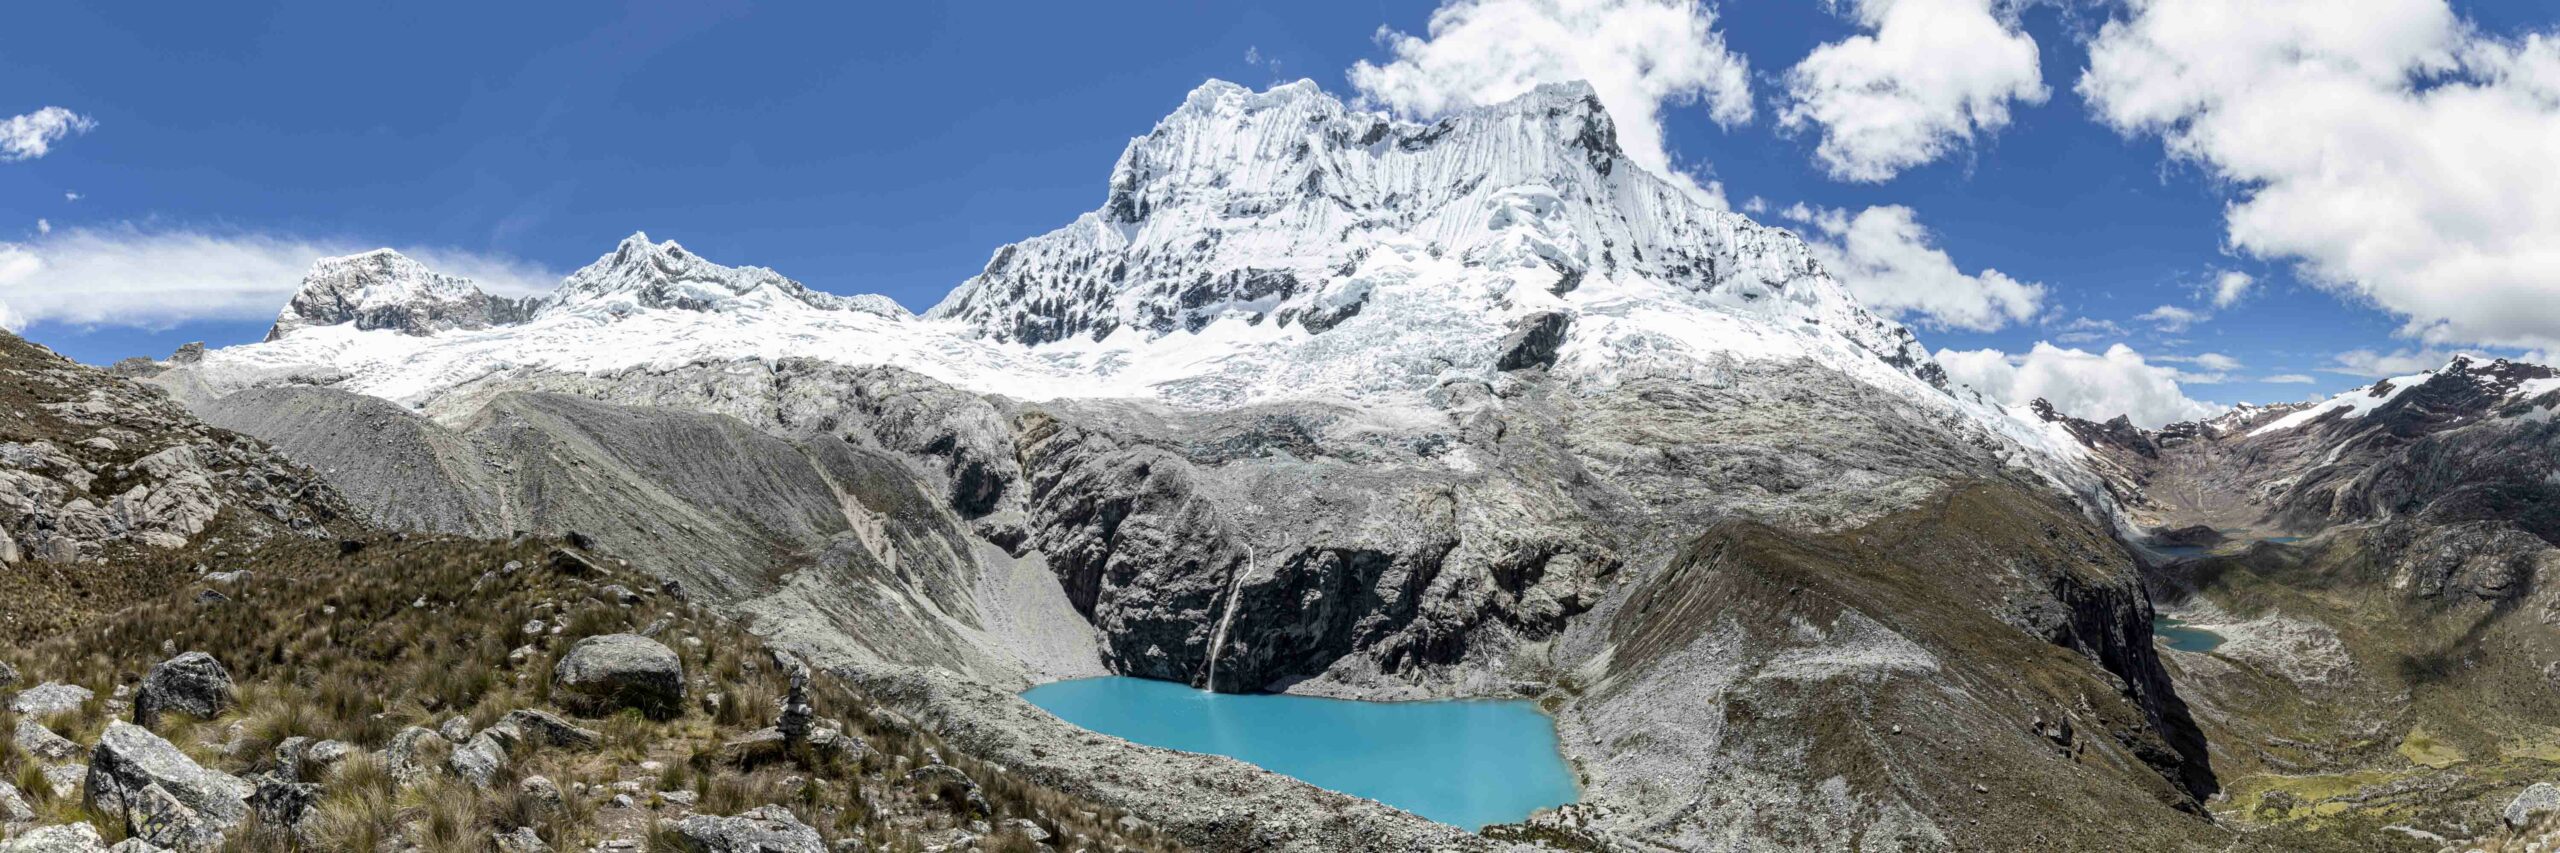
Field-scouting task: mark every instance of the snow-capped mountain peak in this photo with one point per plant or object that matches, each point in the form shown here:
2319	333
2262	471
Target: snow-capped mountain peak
383	289
641	275
1287	206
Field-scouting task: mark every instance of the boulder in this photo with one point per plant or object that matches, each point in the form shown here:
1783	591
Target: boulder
405	756
66	779
285	805
765	829
63	838
193	683
614	671
50	698
161	795
301	759
36	740
478	760
943	776
550	730
522	840
14	807
2541	799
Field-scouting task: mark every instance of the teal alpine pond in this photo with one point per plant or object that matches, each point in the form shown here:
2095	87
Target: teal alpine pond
2182	636
1466	763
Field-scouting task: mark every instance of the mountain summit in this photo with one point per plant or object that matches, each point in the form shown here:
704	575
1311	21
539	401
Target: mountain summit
383	289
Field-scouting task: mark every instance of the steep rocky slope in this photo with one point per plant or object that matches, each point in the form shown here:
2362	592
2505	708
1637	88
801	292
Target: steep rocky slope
2378	568
1324	402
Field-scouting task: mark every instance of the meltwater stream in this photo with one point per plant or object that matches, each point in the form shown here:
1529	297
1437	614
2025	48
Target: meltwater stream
1464	763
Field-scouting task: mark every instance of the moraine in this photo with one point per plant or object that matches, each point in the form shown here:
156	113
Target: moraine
1467	763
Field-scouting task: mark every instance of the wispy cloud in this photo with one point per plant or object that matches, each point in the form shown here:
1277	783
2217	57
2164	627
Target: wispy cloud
32	135
2290	379
2171	318
2374	365
125	276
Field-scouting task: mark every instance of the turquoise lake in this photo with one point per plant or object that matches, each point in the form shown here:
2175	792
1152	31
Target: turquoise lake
2182	636
1464	763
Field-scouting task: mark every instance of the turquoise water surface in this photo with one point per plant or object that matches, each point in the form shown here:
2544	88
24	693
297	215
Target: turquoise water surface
1463	763
2182	636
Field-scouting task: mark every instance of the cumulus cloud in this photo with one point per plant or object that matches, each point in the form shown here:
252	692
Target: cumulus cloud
1926	77
2171	318
153	279
1640	57
44	226
2096	386
2389	149
32	135
2230	287
1886	259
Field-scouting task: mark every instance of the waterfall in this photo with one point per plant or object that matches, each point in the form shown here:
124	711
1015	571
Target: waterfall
1218	641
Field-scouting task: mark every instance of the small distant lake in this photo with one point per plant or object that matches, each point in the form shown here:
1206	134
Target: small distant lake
2282	540
1464	763
2182	636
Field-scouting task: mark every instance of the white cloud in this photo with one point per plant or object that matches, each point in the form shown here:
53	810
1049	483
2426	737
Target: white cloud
2290	379
1929	76
2230	287
2171	318
44	226
1640	56
2370	364
132	277
70	196
1885	258
2083	330
2211	368
2392	150
2096	386
32	135
1755	205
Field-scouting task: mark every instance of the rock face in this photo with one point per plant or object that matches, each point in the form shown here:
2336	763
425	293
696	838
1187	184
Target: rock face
383	289
614	671
765	829
99	467
161	795
193	683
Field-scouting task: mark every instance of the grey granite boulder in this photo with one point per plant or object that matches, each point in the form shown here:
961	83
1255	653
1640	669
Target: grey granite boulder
34	739
193	683
50	698
63	838
614	671
161	795
550	730
2541	799
765	829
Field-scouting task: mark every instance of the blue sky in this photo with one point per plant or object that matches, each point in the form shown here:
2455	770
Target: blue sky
891	147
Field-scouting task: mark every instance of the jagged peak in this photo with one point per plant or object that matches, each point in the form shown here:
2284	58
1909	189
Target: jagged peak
641	274
383	288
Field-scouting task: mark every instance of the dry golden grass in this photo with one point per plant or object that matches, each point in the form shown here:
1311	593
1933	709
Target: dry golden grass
412	632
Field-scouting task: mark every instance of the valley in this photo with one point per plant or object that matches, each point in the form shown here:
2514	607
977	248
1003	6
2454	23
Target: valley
1318	405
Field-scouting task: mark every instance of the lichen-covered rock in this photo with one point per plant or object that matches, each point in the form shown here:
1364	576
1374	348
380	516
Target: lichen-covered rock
284	804
50	698
60	838
193	683
161	795
549	729
615	671
765	829
405	757
520	840
34	739
14	807
2540	799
